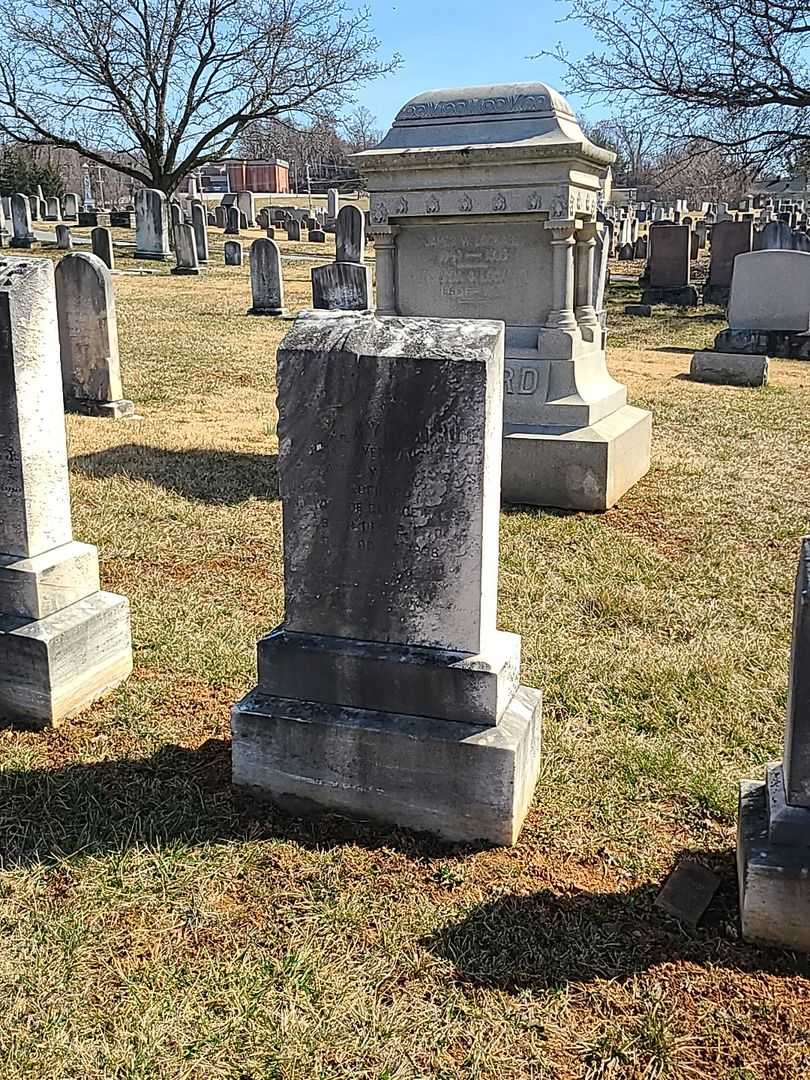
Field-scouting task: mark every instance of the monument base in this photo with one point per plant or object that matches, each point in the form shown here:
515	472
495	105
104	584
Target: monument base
36	587
788	344
773	876
391	678
185	271
684	296
267	311
716	294
122	409
156	256
465	784
588	468
729	369
20	242
53	668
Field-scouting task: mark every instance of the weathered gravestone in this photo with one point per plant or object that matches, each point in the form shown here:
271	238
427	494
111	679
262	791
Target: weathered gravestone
483	203
345	285
102	246
246	204
70	202
729	369
232	221
185	251
53	210
773	836
64	241
317	236
729	239
221	217
88	338
777	235
769	307
266	282
200	226
63	643
22	229
293	226
668	267
4	233
232	252
387	692
151	225
332	204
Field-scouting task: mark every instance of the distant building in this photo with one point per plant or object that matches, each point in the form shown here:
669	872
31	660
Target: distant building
236	174
784	187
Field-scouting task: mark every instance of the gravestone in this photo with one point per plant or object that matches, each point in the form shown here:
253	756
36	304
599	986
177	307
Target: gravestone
88	338
729	239
246	204
64	241
345	285
270	232
773	836
243	220
777	235
769	306
694	245
221	217
387	692
293	229
266	282
121	219
640	249
332	204
668	267
63	642
233	253
317	236
263	218
200	226
22	229
483	204
151	225
728	369
70	206
185	251
177	214
53	210
232	221
211	218
102	246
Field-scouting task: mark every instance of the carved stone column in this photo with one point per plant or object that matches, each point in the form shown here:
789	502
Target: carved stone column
385	248
585	254
561	316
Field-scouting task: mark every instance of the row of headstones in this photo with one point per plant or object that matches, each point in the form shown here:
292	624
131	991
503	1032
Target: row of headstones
671	248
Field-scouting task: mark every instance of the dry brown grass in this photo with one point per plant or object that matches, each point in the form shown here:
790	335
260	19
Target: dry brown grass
153	925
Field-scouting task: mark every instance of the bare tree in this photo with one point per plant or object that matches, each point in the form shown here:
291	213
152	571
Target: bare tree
730	72
155	88
362	130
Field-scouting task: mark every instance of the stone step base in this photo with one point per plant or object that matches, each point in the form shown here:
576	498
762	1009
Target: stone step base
428	775
773	878
585	469
55	667
415	680
34	588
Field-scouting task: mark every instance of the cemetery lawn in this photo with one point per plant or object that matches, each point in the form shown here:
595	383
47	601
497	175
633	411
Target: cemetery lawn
155	925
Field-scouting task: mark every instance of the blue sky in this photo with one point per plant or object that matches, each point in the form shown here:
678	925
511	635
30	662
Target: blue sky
447	43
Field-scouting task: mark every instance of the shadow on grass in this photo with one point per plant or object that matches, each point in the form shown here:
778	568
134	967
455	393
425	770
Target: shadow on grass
546	940
176	796
211	476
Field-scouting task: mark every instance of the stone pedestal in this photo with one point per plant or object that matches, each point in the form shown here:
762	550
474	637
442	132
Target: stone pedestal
773	836
483	204
388	693
63	643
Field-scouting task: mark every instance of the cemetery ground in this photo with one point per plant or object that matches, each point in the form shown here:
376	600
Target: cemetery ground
154	924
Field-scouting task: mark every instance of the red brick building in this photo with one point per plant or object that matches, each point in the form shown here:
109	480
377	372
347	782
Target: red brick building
236	174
